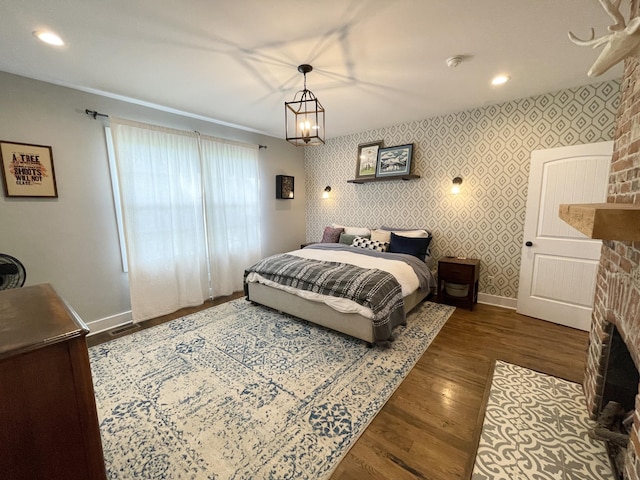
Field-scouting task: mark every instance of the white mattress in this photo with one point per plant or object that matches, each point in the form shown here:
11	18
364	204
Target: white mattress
405	275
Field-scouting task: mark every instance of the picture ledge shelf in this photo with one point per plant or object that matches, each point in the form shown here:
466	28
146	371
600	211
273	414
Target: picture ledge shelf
604	221
382	179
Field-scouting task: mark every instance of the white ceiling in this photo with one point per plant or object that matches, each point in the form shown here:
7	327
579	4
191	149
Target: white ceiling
376	62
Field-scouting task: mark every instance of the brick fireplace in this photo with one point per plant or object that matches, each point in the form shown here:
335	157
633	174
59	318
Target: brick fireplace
617	300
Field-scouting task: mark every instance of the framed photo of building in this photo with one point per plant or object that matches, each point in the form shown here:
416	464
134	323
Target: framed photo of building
394	161
367	158
27	170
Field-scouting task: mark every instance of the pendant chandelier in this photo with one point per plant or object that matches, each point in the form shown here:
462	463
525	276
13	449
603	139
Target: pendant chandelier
304	116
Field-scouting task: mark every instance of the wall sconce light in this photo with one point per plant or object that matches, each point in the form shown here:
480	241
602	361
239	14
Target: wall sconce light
325	194
455	189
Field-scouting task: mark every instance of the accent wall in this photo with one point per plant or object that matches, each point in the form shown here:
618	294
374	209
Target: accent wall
489	147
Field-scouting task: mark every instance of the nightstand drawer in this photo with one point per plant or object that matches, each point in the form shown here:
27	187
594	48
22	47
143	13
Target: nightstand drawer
457	273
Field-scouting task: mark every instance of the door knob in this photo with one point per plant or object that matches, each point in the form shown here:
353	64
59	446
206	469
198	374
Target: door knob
529	244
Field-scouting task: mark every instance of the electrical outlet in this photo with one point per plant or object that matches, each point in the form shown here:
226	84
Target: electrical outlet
489	281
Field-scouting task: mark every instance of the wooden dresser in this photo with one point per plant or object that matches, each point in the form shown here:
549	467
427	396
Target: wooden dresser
48	420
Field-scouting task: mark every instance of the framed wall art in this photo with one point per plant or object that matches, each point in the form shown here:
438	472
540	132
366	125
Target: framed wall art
27	170
367	158
394	161
284	187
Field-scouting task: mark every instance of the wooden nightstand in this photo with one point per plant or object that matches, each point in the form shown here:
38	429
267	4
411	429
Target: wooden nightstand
461	271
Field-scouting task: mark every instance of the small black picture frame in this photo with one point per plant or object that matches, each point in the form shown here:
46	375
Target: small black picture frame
284	187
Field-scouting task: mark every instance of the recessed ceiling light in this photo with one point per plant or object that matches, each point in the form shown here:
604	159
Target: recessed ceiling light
48	37
500	80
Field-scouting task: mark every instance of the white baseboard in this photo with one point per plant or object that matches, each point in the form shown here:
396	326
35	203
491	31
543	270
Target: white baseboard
506	302
108	323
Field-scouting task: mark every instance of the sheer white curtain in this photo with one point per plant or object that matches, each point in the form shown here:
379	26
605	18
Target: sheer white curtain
232	206
191	215
161	193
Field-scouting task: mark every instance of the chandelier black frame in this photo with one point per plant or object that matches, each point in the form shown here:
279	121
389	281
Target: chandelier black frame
304	116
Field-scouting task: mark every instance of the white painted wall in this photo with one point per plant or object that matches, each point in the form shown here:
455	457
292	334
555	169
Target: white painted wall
72	242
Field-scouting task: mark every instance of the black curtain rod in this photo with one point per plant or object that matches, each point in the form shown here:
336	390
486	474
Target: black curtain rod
95	114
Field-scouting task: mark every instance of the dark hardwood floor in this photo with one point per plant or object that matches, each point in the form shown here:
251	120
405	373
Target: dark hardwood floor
102	337
429	429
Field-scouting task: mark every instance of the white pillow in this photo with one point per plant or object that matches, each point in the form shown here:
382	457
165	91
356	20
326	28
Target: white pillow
411	233
381	235
417	233
363	231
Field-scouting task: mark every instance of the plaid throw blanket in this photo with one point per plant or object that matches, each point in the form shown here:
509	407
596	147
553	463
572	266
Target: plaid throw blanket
372	288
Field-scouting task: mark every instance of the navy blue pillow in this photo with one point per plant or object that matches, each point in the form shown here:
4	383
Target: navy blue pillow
410	245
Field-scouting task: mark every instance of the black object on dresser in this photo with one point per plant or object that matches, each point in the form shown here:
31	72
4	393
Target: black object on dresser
456	272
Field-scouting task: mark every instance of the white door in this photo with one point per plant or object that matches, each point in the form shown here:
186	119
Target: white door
559	264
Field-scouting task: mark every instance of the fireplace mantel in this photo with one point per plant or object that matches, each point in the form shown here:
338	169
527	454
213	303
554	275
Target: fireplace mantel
605	221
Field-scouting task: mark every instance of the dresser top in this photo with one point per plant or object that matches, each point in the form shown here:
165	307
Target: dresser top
35	316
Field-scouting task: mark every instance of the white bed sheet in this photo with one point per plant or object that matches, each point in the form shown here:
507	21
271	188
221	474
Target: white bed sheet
403	273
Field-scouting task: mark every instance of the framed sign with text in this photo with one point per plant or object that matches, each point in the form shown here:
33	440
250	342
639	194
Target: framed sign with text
27	170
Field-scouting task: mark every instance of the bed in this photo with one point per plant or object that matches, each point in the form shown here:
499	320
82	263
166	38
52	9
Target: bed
357	291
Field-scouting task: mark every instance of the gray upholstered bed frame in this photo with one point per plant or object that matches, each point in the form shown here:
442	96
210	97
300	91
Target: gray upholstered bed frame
316	312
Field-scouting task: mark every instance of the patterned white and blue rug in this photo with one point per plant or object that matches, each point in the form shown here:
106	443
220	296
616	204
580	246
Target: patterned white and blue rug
535	428
241	392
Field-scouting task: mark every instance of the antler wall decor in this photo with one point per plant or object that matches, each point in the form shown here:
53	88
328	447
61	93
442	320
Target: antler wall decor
622	41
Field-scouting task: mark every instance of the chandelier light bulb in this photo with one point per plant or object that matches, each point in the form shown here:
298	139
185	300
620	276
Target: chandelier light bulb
305	127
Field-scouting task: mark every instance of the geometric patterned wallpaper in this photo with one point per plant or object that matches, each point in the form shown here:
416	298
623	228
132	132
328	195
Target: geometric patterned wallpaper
488	147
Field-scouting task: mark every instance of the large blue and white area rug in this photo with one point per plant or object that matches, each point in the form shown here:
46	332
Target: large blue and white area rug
535	428
239	391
